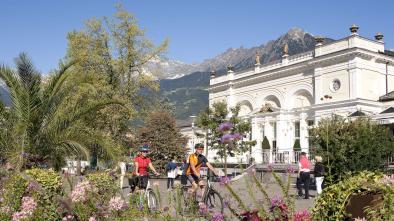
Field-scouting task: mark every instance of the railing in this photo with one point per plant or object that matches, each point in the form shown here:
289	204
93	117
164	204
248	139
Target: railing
292	157
282	157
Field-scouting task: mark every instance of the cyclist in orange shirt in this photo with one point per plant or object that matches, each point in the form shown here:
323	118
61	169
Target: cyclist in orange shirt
196	160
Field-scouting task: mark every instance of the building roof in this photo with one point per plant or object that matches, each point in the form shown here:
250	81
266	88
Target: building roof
357	114
388	110
389	53
387	97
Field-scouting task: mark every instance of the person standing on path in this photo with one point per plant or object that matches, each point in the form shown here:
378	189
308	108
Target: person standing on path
304	173
319	174
171	174
183	175
122	166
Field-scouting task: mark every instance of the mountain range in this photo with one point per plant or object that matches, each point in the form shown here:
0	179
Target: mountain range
186	85
187	90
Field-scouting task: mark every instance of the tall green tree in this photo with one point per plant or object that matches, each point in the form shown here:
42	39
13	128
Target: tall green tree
111	53
212	118
164	137
349	146
45	117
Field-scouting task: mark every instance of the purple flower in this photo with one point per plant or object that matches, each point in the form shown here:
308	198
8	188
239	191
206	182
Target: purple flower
226	138
217	217
202	208
237	136
276	201
224	180
225	126
290	169
226	203
33	186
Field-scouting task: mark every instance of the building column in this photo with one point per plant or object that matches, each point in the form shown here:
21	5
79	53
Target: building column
304	133
281	132
270	136
256	135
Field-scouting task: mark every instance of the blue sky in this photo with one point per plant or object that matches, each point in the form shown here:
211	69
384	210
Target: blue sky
197	29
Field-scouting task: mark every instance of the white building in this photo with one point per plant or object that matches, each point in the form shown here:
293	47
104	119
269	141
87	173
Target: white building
353	75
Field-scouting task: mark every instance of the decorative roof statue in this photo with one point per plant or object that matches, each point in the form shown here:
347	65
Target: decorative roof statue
286	49
213	74
353	29
230	68
267	107
257	59
379	36
319	40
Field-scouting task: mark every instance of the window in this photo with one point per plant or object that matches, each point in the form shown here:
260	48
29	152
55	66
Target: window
297	130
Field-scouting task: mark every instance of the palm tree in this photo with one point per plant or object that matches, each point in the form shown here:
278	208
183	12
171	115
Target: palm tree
46	117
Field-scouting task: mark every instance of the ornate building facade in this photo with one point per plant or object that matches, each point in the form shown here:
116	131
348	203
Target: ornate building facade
283	99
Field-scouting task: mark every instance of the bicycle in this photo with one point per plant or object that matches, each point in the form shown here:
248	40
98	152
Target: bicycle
212	199
147	196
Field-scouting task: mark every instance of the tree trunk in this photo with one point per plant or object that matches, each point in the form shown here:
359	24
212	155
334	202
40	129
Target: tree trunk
79	167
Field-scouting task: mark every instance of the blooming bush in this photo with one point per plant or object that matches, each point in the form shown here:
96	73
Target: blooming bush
27	209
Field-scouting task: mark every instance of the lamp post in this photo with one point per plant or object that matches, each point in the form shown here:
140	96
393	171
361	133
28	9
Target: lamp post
193	135
326	98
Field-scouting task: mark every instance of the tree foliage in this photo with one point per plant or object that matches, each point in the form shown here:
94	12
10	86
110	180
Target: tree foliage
352	145
45	117
164	137
212	117
111	54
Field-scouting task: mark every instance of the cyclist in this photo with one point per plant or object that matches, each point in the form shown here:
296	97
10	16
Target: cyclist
141	164
196	160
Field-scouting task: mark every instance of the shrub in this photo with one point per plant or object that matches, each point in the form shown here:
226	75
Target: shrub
345	144
332	203
266	144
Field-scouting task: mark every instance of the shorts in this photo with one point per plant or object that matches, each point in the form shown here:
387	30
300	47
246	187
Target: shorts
193	178
140	181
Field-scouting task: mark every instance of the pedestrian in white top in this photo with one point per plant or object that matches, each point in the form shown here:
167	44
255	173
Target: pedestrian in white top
122	166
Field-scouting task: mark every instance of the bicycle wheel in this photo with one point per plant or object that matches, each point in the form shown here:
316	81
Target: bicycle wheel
214	201
152	200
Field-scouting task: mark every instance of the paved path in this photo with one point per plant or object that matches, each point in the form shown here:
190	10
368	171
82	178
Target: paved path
240	187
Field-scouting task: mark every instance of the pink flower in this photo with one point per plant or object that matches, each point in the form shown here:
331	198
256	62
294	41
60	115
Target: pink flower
270	167
27	209
116	204
79	194
302	216
92	218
